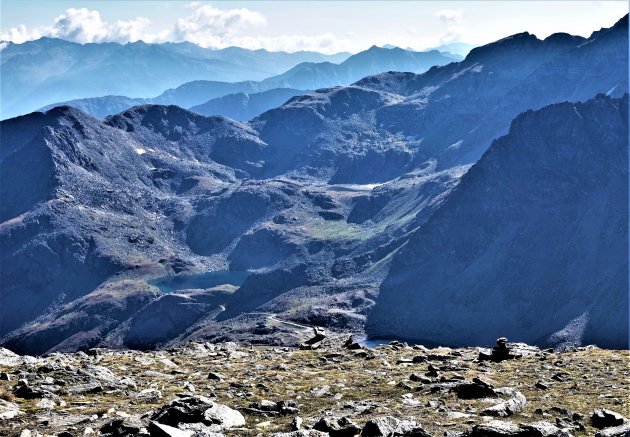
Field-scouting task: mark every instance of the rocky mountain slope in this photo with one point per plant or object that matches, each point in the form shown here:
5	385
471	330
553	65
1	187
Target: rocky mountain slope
159	225
532	243
335	389
243	107
48	70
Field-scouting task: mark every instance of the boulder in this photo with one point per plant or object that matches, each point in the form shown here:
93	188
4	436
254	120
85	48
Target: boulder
605	418
615	431
337	427
223	416
122	427
216	376
543	429
8	410
495	428
160	430
476	389
198	409
9	359
389	426
513	405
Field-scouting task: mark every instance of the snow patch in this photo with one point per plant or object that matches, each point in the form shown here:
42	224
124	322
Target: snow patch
455	146
610	91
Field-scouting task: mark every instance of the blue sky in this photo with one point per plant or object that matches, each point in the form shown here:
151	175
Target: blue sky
327	26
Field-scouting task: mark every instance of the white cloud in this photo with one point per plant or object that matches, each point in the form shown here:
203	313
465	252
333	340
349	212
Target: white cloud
83	26
324	43
19	34
450	16
205	25
209	26
453	19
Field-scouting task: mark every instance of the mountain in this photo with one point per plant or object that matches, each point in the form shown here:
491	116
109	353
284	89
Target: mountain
39	73
531	245
158	225
375	60
241	106
310	75
99	107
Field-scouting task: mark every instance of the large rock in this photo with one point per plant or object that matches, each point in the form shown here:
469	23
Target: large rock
223	416
160	430
603	418
476	389
616	431
337	426
122	427
198	409
514	404
391	426
9	410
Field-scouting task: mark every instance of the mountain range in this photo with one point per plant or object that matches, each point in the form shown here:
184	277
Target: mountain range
457	194
304	76
48	70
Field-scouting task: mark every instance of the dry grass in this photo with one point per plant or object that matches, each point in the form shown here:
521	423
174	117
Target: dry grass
7	395
597	379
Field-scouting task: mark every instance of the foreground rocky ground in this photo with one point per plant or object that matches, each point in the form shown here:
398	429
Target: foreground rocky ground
329	386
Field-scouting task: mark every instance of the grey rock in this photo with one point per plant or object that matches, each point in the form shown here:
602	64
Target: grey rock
543	429
495	428
476	389
337	427
24	390
391	426
185	410
302	433
616	431
8	358
9	410
603	418
216	376
223	416
123	427
515	404
160	430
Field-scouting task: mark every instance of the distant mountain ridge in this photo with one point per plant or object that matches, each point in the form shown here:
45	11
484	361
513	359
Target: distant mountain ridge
303	76
38	73
243	107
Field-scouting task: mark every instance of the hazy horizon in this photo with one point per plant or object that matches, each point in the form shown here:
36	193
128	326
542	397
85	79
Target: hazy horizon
307	25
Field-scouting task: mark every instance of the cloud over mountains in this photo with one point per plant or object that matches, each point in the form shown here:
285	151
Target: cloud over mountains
205	25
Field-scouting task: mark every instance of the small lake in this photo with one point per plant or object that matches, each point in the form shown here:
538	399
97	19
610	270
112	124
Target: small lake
170	284
373	342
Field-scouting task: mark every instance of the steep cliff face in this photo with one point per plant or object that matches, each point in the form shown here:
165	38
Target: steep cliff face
532	244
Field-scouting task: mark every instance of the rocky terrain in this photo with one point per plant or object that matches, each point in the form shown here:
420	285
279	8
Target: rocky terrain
330	386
